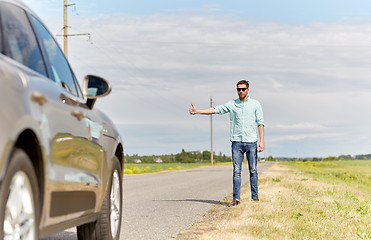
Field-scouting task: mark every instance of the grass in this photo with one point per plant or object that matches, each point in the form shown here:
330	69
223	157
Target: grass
132	168
298	200
354	173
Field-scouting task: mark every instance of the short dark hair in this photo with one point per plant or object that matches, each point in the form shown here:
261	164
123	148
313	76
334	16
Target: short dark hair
243	81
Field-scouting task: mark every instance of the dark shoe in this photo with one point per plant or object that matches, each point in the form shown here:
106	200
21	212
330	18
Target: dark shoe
235	202
255	199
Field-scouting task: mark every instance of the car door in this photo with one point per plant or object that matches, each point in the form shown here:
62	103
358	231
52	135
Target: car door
74	161
76	155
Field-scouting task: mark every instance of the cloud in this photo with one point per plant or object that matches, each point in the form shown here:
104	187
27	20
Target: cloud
296	137
312	79
302	126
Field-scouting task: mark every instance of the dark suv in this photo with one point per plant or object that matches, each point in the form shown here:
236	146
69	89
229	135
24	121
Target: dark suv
61	159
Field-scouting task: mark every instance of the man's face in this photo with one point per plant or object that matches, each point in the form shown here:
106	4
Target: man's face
242	91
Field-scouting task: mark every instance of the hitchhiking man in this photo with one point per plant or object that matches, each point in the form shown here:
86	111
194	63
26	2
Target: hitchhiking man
246	116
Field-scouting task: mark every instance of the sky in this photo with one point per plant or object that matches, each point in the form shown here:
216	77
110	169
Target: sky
308	64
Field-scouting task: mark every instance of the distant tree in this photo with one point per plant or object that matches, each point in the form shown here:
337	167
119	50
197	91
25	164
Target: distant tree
363	156
185	157
225	158
206	155
345	157
197	155
330	158
177	156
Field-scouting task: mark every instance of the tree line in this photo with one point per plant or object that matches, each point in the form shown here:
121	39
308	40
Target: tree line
205	156
182	157
329	158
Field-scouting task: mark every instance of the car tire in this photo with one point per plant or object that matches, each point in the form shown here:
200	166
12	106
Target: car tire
108	224
19	195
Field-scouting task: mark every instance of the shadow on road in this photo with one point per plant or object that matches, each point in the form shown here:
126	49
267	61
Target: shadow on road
69	234
195	200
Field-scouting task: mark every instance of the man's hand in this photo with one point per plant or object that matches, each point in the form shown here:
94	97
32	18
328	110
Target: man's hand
261	147
206	111
261	135
193	110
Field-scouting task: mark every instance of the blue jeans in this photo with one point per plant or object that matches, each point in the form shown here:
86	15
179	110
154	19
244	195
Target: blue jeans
251	150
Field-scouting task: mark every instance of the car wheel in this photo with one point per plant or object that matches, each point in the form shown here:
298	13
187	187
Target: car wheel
108	225
19	216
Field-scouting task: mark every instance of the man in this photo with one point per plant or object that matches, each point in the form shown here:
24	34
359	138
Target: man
246	117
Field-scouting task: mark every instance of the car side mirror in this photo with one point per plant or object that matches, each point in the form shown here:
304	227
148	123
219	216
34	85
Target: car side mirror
94	87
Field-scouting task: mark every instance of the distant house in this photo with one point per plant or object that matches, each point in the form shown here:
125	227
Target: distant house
138	161
157	160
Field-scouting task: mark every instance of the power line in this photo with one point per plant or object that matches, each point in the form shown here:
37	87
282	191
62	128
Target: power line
65	28
245	44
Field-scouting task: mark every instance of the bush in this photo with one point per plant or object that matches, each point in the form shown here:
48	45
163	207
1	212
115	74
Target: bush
131	170
136	170
147	169
128	171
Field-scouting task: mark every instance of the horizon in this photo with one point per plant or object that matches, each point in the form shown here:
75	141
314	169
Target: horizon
259	155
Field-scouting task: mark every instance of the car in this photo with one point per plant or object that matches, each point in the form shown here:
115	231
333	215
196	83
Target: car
61	158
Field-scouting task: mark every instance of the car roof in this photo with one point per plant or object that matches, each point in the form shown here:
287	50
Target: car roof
27	9
21	5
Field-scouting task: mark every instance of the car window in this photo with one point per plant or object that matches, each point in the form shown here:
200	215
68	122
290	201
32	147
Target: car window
60	70
19	39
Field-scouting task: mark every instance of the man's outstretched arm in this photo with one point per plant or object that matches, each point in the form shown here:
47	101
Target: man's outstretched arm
206	111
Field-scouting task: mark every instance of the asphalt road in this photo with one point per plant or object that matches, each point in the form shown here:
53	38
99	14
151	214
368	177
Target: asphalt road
160	206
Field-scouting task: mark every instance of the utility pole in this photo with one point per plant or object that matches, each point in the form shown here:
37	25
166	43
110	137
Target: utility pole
211	132
65	28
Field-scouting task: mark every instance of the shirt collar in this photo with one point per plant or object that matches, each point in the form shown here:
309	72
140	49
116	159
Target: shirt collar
239	101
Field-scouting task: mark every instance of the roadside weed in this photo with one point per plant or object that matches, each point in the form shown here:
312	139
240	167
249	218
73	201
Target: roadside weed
132	168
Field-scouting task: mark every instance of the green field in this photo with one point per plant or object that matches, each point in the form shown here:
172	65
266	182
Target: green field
354	173
132	168
361	163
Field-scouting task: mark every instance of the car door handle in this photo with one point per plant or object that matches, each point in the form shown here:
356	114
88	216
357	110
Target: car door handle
77	114
38	98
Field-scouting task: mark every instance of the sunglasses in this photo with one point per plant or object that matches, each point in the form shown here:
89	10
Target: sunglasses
241	89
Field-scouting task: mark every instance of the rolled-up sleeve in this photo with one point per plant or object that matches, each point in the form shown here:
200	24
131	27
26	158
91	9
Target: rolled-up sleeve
259	115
